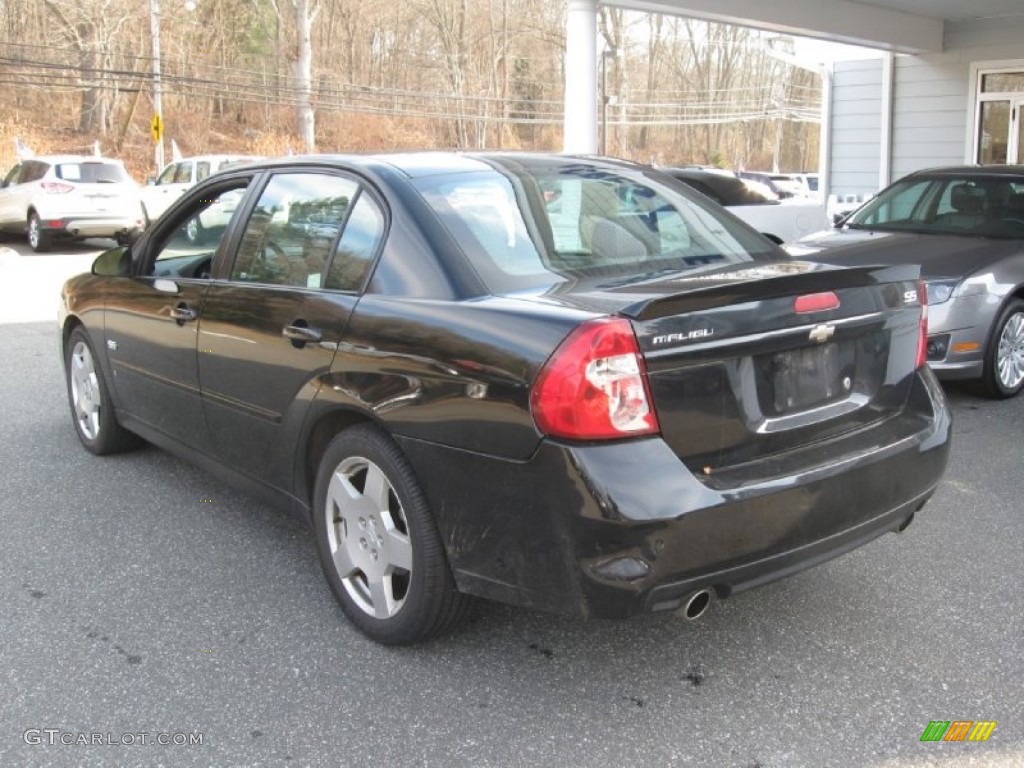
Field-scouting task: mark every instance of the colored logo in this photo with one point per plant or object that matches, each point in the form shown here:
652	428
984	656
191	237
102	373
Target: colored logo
958	730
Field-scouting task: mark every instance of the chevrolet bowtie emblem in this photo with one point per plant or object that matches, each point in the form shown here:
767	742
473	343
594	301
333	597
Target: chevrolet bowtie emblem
822	333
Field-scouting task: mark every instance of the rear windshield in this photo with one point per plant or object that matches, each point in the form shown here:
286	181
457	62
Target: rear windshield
531	227
92	173
948	205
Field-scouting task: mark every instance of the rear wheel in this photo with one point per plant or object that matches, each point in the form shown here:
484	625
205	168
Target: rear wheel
91	409
38	239
377	542
1003	375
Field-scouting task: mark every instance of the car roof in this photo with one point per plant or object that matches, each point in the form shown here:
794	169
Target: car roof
212	158
73	159
419	164
971	170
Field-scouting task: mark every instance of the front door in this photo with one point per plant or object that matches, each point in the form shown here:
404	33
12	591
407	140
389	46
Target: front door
152	323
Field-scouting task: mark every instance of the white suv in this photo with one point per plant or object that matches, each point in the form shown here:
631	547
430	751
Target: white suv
69	196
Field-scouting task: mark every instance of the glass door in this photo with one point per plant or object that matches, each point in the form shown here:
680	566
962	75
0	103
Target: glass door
1000	118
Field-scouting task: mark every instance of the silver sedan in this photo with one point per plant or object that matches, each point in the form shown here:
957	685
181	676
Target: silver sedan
965	227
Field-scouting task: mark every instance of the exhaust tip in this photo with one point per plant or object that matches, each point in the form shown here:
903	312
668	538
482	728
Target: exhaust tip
697	604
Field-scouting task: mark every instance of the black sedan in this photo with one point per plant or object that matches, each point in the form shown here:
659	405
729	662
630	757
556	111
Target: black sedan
556	382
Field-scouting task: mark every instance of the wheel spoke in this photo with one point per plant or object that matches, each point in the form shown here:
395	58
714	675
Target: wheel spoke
377	489
342	560
398	550
382	597
341	491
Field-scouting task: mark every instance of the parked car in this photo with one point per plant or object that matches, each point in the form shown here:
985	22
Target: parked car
183	174
557	382
782	184
69	197
965	227
781	221
810	184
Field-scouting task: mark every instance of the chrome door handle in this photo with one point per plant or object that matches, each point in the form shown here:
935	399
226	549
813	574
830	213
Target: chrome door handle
300	335
182	314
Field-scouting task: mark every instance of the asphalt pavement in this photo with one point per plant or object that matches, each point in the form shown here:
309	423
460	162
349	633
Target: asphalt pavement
142	600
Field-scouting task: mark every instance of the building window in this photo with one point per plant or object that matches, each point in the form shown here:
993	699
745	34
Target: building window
999	120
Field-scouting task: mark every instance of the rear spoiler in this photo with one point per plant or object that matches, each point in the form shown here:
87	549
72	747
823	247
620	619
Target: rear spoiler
740	284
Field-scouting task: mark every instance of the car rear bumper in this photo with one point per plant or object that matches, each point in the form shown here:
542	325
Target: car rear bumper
92	226
618	529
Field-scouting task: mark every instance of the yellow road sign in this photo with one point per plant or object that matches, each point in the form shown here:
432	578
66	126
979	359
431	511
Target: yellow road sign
156	128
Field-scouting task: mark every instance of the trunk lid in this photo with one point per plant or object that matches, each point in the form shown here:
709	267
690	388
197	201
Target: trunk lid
737	374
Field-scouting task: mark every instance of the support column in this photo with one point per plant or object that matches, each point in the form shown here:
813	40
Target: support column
580	119
885	134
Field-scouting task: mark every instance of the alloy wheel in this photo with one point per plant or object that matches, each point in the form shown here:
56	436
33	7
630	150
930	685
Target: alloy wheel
85	391
1010	354
368	535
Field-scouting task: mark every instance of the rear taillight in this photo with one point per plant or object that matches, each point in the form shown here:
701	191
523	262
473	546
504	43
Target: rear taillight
922	337
55	187
594	387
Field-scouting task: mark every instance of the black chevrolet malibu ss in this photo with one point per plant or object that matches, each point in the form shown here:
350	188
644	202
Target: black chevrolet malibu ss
563	383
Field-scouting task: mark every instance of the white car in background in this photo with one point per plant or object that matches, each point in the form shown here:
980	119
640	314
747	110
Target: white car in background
69	197
180	175
784	221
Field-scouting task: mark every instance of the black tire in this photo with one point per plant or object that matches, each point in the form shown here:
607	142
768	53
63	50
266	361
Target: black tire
92	411
410	605
1010	322
39	240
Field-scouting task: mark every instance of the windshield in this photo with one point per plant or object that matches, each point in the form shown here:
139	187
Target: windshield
534	227
953	205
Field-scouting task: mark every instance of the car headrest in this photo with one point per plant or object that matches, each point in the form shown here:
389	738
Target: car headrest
967	198
1015	203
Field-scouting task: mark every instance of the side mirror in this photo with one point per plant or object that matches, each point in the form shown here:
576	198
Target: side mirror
116	262
838	219
150	181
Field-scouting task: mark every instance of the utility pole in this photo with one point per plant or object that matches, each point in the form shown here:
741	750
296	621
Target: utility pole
158	105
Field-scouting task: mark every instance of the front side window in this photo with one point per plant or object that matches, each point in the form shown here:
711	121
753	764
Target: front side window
290	235
184	174
12	175
527	227
202	170
186	246
167	176
985	206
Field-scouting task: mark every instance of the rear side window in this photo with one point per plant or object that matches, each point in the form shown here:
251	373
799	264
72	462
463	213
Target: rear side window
92	173
33	170
202	170
357	246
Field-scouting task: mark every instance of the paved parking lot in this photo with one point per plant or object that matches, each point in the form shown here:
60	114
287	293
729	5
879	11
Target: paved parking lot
138	595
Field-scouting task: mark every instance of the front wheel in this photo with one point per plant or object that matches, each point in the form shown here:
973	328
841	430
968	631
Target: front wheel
39	240
93	413
377	542
1003	375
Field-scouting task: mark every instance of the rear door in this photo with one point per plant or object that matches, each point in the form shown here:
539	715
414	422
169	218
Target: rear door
95	188
273	325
